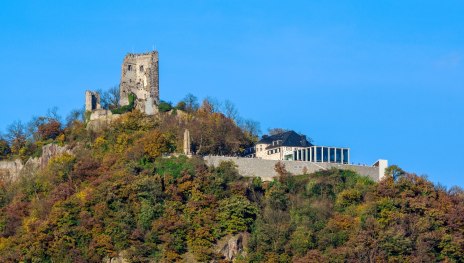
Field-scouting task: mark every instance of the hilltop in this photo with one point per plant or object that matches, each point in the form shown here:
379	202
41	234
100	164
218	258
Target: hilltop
127	192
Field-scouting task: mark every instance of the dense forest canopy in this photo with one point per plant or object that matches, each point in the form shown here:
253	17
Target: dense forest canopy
125	190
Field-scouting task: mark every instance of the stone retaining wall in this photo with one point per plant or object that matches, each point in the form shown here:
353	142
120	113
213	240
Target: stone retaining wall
265	168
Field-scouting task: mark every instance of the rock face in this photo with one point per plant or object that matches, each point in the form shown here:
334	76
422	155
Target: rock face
119	259
9	170
232	246
49	151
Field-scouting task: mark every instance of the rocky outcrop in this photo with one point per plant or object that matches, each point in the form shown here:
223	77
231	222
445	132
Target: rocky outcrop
119	259
12	170
9	170
232	246
48	151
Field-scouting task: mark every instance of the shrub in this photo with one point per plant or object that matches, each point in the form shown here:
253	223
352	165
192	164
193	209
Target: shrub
126	108
4	149
60	167
165	106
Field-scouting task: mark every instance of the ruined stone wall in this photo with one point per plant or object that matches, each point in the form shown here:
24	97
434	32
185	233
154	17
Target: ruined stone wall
140	76
92	101
100	119
265	168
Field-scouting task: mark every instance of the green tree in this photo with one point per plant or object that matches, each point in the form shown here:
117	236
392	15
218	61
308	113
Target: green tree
236	214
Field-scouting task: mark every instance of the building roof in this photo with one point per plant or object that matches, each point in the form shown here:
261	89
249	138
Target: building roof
289	139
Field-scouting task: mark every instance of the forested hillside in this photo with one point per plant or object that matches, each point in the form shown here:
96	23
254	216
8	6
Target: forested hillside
125	192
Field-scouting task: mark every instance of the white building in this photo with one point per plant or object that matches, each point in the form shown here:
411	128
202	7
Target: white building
295	147
280	146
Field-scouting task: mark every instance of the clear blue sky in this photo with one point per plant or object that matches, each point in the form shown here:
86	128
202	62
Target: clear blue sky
385	78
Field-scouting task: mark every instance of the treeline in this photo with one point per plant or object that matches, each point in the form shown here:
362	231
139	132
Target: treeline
216	128
25	140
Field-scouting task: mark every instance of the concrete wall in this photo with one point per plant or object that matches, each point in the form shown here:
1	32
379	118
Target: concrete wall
265	168
142	79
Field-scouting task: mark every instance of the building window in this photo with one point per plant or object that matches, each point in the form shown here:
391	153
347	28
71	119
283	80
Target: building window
345	156
129	67
332	155
141	68
339	155
318	154
325	154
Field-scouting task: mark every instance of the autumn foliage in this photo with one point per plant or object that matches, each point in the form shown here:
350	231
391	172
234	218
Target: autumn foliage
126	190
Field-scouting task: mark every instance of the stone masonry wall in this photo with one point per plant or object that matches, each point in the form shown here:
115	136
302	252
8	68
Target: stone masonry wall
265	168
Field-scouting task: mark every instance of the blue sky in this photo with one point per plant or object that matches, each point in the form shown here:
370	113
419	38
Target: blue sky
385	78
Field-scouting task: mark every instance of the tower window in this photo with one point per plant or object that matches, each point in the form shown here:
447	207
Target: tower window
129	67
141	68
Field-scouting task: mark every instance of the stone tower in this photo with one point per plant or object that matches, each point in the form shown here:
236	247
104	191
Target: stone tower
140	76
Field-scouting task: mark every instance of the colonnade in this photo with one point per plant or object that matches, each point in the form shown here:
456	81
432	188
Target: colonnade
323	154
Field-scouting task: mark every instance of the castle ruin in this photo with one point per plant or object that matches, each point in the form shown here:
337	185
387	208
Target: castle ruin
92	101
140	76
139	88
